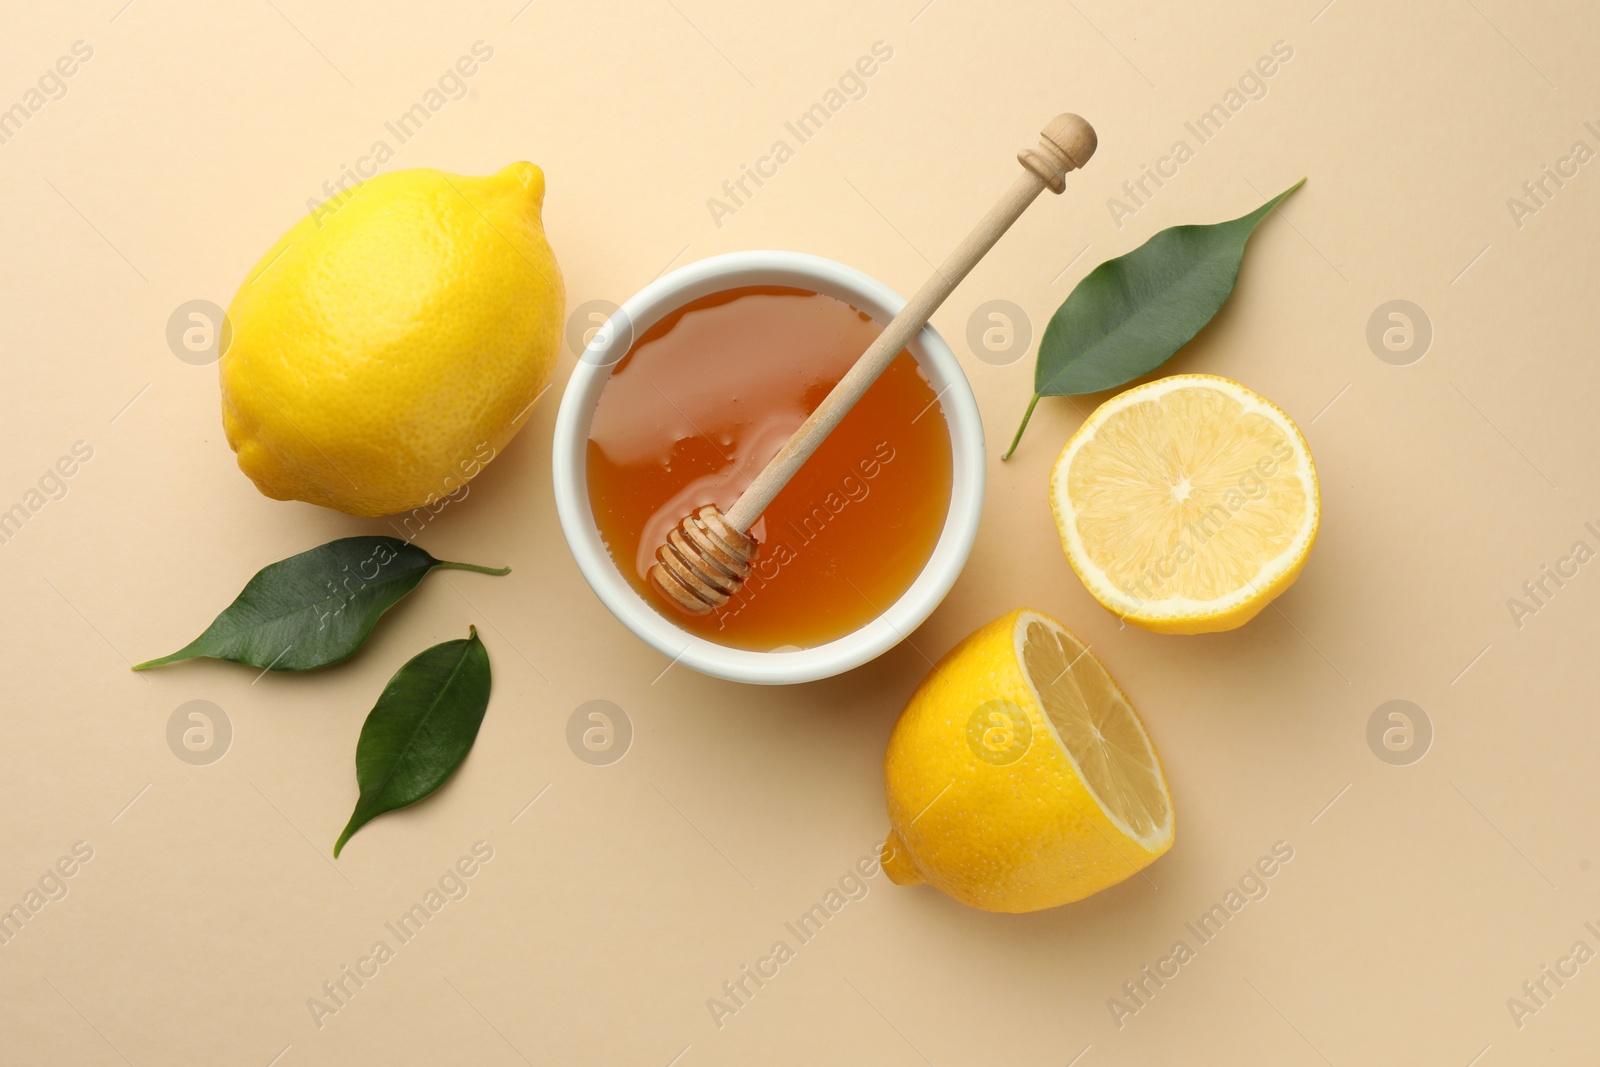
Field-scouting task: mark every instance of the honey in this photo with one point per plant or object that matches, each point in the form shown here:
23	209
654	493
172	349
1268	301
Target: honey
700	403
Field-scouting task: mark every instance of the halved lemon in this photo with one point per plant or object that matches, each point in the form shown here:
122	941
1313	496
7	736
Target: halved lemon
1187	504
1019	777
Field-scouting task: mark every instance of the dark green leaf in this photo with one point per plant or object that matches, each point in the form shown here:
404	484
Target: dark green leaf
316	608
1132	314
421	728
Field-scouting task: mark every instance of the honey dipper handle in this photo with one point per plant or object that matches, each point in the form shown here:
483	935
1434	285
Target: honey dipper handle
1066	144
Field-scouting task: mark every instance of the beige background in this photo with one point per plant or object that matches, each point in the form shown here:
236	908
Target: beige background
1419	898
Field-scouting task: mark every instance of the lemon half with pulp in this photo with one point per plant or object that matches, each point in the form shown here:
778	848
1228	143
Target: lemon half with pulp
1019	777
1186	504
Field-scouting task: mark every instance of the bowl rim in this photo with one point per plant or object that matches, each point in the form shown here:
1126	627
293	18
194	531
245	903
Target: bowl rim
569	465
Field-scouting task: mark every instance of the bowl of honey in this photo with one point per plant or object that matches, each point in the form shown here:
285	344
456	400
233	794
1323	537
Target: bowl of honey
682	397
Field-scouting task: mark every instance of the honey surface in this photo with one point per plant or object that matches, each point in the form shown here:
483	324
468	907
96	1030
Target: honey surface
707	396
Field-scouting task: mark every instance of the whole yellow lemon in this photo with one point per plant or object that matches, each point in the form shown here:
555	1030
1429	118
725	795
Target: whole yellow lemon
393	341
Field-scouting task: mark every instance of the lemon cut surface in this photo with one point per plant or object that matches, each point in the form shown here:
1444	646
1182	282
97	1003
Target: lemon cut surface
1019	777
1187	504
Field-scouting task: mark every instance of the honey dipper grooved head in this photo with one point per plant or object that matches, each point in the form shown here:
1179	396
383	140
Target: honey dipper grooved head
704	561
1065	144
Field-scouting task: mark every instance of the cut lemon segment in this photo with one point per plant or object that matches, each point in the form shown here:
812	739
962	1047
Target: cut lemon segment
1019	777
1097	726
1186	504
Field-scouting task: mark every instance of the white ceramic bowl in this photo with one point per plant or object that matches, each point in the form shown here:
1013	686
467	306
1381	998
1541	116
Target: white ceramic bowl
611	343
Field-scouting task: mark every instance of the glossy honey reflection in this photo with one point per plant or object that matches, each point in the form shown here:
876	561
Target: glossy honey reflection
707	396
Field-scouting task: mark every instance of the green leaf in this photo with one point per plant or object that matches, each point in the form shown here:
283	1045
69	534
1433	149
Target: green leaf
1132	314
315	608
421	728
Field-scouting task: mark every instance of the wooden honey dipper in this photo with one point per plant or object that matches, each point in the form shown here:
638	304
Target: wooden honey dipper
707	556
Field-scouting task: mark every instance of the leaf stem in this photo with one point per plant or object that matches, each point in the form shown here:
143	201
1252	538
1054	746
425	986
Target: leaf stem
447	564
1026	415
